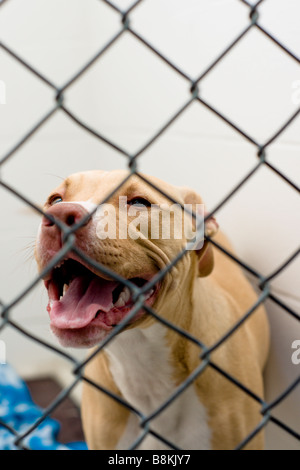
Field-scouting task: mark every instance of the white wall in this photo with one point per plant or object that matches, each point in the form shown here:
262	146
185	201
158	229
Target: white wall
127	96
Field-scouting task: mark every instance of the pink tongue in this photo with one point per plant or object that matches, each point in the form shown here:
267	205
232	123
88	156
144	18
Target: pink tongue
81	302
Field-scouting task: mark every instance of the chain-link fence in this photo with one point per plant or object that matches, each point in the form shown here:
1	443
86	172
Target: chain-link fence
263	282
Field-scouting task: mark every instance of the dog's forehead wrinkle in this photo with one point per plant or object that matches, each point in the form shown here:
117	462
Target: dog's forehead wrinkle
88	205
98	185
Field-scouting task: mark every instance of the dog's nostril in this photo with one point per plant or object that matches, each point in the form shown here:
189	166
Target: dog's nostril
67	213
73	218
70	220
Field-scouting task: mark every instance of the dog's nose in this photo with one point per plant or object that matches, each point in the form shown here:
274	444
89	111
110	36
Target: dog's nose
67	212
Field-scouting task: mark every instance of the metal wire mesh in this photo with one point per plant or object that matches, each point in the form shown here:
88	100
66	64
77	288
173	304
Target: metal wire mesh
263	282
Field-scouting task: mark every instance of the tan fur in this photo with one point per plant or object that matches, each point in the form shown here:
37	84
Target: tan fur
206	305
222	298
100	408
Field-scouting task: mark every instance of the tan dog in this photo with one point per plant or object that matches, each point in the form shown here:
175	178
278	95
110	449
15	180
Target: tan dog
146	362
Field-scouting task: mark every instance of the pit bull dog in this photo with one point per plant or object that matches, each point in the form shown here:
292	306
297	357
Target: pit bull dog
204	294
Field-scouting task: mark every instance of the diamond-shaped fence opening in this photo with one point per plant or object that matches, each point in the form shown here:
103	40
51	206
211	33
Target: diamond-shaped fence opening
133	65
189	96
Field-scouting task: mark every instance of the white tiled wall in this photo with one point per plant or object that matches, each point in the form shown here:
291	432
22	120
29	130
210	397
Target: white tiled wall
127	96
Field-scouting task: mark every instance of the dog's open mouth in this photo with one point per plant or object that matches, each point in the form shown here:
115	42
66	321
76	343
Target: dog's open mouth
79	298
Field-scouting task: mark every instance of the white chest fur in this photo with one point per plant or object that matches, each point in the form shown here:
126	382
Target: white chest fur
140	366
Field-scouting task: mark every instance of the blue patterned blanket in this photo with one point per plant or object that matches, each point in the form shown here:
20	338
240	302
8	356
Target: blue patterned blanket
18	411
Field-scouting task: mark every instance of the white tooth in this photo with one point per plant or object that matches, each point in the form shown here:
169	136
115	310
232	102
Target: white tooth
66	287
149	293
126	294
120	302
123	297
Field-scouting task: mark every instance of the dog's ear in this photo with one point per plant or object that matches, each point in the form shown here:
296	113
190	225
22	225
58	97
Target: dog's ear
205	254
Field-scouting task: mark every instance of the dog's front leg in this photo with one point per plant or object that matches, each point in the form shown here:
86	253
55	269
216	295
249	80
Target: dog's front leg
104	419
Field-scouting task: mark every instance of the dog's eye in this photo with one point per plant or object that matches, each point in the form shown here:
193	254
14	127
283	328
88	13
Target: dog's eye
139	201
54	200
